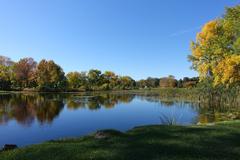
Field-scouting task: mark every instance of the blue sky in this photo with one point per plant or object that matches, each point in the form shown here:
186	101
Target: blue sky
139	38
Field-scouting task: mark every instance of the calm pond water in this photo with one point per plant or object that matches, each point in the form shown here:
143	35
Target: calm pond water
33	118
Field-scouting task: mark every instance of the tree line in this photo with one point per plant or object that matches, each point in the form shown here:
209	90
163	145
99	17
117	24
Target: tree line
215	56
27	74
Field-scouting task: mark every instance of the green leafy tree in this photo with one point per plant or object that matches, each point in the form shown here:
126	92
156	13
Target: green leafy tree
77	80
6	73
73	79
142	83
110	80
95	77
152	82
5	77
188	82
127	82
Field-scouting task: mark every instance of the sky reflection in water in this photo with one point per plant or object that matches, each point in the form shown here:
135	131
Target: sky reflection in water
33	118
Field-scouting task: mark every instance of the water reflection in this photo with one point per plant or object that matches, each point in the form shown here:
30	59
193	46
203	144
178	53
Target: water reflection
44	108
25	108
207	112
92	102
217	113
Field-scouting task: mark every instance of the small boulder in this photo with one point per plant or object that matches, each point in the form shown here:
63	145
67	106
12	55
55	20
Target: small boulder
100	135
103	134
7	147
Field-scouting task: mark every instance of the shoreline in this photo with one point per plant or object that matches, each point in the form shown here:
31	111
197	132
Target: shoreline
110	133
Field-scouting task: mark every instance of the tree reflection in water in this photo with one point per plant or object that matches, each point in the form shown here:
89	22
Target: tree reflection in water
97	101
26	108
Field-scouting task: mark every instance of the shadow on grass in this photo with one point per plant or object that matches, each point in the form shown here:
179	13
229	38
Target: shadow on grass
182	143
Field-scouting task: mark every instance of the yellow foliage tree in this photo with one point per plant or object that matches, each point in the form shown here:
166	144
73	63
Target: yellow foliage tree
215	53
228	70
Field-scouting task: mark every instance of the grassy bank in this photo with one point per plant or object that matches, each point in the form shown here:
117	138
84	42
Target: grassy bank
221	141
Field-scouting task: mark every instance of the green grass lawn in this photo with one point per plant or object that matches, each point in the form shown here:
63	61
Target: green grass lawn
221	141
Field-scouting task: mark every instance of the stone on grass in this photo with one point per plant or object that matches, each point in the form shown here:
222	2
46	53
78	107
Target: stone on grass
7	147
